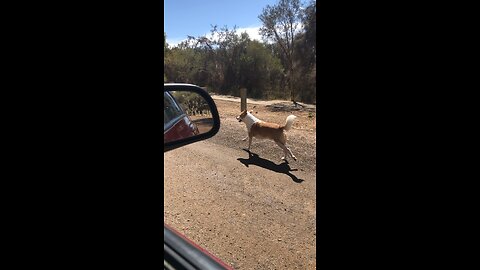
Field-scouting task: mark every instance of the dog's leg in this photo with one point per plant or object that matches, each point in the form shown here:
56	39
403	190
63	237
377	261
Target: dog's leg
283	144
285	152
291	154
249	141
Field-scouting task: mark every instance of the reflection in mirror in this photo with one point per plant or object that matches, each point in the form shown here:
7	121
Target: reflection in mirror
186	114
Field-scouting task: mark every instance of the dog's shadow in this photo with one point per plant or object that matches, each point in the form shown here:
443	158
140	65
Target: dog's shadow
254	159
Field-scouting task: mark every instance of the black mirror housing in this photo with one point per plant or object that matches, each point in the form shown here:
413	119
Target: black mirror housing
213	118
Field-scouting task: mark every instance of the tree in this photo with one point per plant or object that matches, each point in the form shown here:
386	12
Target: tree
309	19
165	47
305	55
226	61
281	24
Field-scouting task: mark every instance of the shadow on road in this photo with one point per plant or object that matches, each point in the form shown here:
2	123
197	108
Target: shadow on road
284	168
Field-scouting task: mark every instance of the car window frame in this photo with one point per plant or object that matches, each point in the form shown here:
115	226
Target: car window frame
180	253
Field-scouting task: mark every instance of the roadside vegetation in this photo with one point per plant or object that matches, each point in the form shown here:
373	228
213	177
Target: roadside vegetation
281	66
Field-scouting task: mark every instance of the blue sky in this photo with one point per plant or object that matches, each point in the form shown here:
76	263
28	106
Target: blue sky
195	17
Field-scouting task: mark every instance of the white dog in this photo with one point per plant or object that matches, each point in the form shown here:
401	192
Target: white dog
264	130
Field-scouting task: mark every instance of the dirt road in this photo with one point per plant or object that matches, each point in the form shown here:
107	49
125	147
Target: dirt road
252	211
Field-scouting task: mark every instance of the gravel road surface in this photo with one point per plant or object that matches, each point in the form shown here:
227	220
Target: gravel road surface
252	210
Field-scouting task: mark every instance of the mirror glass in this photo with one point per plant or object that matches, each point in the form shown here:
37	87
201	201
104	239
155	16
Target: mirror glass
186	114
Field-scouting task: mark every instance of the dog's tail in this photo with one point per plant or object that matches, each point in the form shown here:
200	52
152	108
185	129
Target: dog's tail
289	122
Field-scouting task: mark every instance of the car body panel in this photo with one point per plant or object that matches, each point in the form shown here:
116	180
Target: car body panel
178	126
182	128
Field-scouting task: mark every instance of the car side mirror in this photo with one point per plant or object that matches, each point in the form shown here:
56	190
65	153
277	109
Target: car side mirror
190	115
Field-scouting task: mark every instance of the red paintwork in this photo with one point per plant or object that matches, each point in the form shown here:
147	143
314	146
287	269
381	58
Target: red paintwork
184	128
199	248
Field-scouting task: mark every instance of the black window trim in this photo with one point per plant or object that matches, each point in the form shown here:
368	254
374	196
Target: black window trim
183	255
